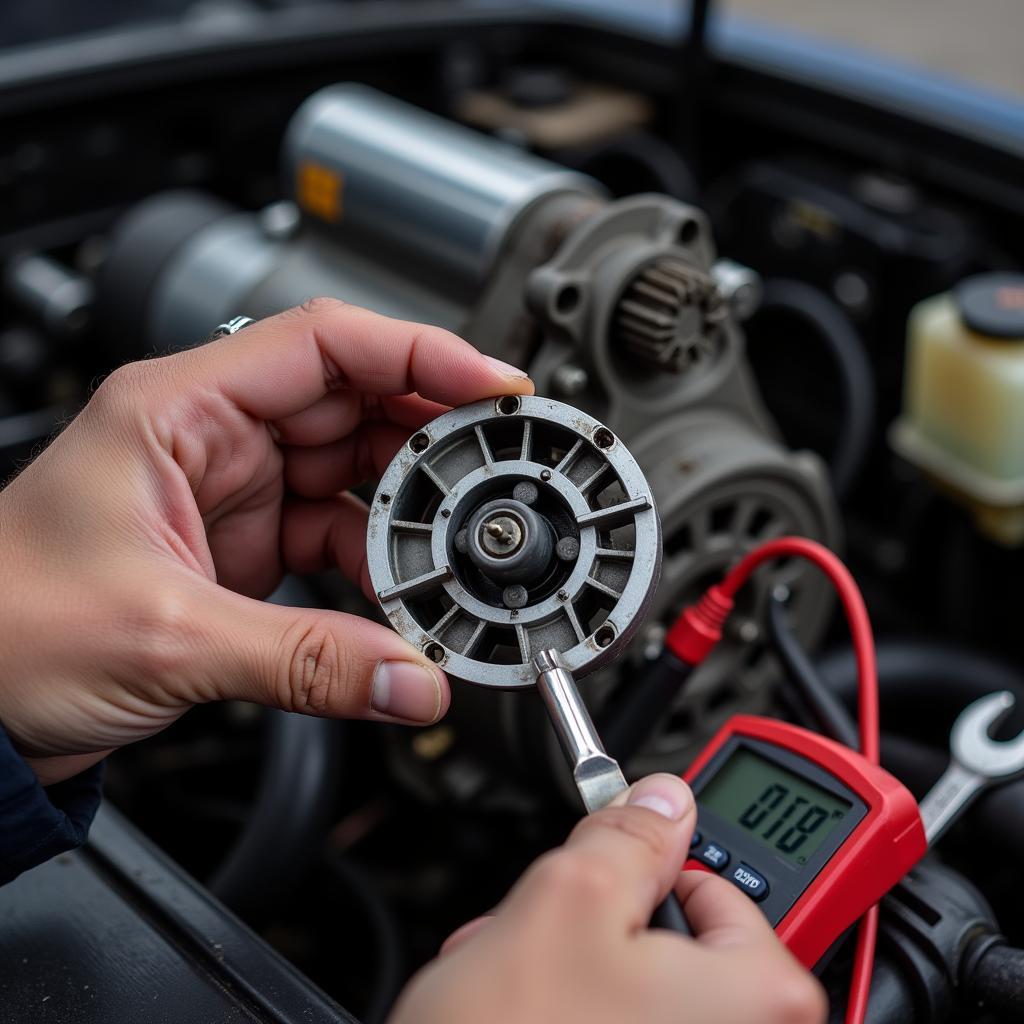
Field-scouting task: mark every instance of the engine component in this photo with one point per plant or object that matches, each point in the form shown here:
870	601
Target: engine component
722	488
936	932
962	421
669	316
553	112
542	271
446	202
56	297
508	527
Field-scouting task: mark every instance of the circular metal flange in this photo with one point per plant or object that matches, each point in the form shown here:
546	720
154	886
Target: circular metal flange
512	526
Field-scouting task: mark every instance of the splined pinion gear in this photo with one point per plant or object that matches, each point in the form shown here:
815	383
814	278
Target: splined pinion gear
670	317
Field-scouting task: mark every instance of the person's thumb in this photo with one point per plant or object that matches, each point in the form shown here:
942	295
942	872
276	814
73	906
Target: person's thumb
622	861
314	662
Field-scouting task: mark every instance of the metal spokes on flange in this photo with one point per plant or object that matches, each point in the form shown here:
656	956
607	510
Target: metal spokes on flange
509	527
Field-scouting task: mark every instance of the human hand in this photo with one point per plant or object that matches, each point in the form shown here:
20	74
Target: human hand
132	549
571	944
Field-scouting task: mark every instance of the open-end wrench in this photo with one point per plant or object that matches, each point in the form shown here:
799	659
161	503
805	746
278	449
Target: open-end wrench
978	761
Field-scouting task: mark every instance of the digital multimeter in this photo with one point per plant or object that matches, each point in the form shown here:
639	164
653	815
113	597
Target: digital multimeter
814	833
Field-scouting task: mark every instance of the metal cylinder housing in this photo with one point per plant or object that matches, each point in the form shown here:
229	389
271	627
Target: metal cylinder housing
525	482
430	190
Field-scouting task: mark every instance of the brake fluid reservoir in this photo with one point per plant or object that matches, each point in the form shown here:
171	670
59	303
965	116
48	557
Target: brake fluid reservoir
963	414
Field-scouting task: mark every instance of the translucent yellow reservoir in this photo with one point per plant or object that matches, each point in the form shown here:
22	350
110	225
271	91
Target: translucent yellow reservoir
963	414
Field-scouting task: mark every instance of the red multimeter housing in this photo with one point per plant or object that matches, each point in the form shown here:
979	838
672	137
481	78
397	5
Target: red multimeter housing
808	828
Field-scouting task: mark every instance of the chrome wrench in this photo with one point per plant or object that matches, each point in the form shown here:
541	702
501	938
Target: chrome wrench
597	775
977	762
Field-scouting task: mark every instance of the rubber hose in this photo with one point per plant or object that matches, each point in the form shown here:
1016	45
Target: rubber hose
945	678
948	677
298	787
610	162
843	342
389	970
996	983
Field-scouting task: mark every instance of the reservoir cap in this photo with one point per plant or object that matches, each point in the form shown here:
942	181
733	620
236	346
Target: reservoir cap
993	305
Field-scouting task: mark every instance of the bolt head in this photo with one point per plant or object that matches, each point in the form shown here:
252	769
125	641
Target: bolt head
568	549
515	596
525	492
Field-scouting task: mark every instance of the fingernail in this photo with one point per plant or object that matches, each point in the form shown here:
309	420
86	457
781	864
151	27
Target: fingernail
406	690
506	369
664	794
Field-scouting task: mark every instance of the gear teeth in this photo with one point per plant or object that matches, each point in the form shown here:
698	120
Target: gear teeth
669	317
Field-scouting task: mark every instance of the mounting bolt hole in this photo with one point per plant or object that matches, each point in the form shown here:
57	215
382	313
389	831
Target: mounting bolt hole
508	405
435	652
605	635
567	298
603	437
688	232
419	442
385	498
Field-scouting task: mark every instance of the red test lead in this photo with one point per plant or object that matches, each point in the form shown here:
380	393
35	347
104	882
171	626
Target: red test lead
818	833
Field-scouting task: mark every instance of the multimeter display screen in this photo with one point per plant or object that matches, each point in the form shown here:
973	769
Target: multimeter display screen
781	810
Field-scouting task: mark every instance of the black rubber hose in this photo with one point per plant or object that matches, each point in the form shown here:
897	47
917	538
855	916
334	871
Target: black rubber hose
910	672
618	162
295	801
832	719
389	962
916	674
844	344
290	816
996	982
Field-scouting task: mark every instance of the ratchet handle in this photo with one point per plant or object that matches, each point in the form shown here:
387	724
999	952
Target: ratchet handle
668	914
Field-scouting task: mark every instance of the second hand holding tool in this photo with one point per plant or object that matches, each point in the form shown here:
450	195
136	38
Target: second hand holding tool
598	777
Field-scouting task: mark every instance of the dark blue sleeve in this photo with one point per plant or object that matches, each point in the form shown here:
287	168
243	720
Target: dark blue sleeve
36	823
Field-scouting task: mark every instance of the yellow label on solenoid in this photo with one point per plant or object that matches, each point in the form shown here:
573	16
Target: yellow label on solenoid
319	190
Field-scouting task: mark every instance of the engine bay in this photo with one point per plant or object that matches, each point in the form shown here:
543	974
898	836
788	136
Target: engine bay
777	295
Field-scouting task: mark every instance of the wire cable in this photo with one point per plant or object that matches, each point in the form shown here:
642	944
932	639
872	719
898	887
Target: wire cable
696	632
844	345
801	676
867	710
